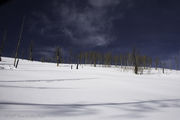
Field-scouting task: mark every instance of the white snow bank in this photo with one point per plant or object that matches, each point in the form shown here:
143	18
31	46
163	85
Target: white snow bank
44	91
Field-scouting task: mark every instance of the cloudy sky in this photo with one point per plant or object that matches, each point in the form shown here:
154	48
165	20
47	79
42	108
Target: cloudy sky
117	26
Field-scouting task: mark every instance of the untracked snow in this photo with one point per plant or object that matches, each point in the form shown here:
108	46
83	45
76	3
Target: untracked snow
43	91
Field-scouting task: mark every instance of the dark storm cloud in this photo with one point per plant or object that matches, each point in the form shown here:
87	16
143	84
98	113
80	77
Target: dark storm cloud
152	26
104	3
88	25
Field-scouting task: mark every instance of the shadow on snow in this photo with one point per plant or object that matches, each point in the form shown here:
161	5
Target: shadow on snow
51	80
125	110
32	87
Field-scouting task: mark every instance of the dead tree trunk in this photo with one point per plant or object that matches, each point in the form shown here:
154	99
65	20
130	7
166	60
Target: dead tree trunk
156	63
77	66
135	61
3	41
30	51
57	55
94	59
17	63
20	37
163	67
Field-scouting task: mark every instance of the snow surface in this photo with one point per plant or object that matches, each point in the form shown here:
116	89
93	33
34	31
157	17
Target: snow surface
44	91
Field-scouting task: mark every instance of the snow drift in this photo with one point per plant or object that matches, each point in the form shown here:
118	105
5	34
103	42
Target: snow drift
44	91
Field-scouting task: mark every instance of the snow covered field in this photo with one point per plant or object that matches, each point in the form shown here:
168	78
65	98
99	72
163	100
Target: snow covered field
44	91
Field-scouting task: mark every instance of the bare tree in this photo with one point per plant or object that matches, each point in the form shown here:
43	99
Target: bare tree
107	59
77	66
30	51
17	63
163	65
2	44
121	59
42	59
116	59
86	57
57	55
176	62
135	61
125	59
156	63
129	59
20	37
70	57
94	58
149	62
144	58
99	58
81	58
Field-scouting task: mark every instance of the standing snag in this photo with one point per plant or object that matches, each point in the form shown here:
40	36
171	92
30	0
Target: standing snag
156	63
77	66
57	55
116	59
2	44
94	58
163	65
17	63
107	59
176	62
70	57
135	61
20	37
30	51
121	59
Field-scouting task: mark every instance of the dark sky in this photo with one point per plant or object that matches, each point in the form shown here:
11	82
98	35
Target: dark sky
152	26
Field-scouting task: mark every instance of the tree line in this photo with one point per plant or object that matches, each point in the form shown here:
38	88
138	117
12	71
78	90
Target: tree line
132	59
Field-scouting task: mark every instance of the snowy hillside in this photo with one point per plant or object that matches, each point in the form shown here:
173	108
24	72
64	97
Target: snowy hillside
43	91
